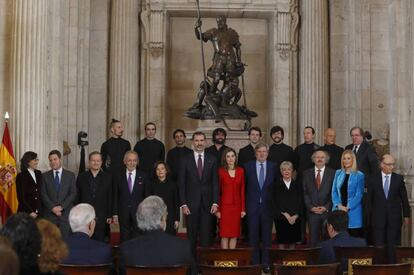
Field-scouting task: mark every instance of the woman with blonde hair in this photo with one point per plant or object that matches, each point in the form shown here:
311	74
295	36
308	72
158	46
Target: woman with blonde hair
53	248
347	191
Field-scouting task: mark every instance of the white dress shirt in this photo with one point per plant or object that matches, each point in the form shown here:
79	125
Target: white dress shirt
287	183
322	171
32	173
59	175
196	156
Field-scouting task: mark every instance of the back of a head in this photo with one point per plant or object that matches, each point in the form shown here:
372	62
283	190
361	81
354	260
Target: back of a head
80	216
9	262
151	214
54	249
25	239
338	219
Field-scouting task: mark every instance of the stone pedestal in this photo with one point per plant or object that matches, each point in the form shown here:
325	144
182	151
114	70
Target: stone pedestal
29	81
124	65
314	67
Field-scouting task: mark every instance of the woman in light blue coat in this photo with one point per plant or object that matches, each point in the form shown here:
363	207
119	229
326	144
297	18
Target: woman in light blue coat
347	191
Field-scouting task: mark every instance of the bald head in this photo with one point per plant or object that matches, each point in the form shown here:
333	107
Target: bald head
387	163
330	136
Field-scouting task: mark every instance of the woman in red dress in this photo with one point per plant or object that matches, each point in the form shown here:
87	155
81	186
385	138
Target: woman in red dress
232	206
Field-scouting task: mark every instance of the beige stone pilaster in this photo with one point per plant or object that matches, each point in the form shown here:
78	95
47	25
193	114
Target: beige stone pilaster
124	66
314	67
28	77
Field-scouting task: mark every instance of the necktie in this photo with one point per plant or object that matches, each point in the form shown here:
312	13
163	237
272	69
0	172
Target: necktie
318	179
355	150
200	166
261	176
386	186
130	182
57	181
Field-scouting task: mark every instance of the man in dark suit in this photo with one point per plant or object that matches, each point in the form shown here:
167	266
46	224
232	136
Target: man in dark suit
82	249
95	187
58	192
260	175
155	247
337	225
388	204
247	153
317	188
130	187
334	151
176	154
198	188
367	159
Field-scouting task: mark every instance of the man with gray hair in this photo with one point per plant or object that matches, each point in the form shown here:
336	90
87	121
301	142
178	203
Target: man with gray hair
82	220
317	188
260	175
155	247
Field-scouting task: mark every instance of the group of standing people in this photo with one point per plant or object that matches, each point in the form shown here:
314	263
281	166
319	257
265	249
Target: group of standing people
246	192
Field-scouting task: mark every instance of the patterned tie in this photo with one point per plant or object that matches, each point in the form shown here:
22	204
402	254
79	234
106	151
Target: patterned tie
200	166
386	186
57	181
261	176
318	179
130	182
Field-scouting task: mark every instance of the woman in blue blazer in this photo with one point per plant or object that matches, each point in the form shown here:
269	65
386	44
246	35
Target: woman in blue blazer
347	191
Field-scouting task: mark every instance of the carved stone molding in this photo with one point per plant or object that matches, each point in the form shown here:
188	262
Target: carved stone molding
287	30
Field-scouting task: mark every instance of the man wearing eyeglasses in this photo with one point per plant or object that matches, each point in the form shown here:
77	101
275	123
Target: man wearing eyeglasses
388	205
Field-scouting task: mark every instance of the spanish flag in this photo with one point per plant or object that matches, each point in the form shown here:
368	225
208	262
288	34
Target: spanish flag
8	193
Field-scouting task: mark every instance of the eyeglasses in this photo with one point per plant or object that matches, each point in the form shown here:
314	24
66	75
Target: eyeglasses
389	164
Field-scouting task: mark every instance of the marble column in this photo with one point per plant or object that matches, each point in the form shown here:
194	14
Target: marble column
28	77
314	67
123	66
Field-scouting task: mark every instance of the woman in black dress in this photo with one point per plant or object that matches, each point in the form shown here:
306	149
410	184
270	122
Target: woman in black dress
288	204
28	185
164	187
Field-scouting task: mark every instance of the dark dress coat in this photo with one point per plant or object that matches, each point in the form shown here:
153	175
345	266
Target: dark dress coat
168	191
289	201
125	204
28	192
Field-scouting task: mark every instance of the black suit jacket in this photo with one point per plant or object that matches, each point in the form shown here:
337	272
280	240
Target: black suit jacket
246	154
155	248
367	159
388	211
125	203
195	191
28	192
102	199
313	196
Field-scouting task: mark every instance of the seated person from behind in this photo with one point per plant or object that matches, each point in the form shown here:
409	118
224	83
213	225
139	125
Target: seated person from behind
337	225
82	249
155	247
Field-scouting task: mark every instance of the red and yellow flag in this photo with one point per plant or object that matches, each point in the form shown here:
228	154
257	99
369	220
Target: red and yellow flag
8	193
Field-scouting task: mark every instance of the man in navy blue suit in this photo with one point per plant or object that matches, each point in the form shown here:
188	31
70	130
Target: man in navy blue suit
82	249
260	175
337	224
